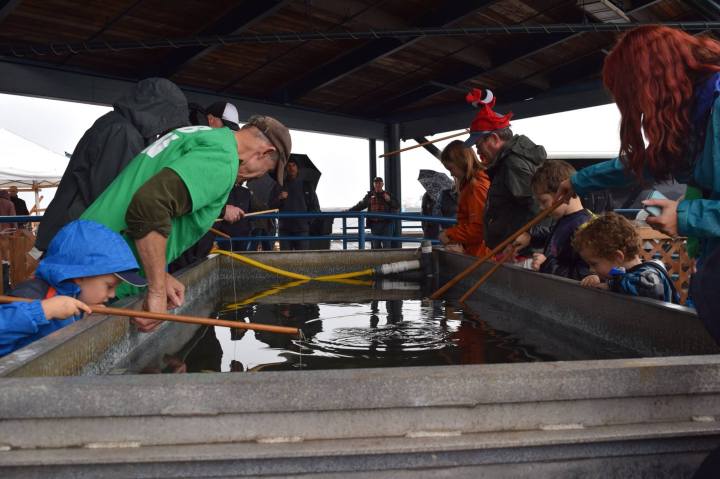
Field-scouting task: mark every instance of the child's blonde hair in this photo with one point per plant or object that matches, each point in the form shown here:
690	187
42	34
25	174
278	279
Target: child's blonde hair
457	154
606	234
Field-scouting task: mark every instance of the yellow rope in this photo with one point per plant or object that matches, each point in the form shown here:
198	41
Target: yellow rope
331	277
290	274
352	282
258	264
263	294
343	278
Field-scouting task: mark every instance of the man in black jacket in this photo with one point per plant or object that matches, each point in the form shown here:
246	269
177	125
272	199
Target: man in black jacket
150	108
511	162
378	201
298	196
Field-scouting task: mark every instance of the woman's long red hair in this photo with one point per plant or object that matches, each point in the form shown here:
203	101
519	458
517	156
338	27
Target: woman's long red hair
652	73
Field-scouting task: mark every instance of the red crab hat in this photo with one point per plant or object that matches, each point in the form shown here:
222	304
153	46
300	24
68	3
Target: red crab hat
486	120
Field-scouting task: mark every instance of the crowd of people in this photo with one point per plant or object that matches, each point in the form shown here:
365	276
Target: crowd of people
668	131
143	186
156	174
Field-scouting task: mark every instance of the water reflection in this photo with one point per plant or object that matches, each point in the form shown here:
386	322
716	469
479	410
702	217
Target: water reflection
387	333
299	316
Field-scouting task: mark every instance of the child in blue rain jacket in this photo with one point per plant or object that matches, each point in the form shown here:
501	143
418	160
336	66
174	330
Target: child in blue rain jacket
82	266
610	245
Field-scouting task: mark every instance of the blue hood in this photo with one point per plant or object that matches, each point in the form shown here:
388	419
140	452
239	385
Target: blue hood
83	248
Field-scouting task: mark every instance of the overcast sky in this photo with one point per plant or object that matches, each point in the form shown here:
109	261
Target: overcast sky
58	125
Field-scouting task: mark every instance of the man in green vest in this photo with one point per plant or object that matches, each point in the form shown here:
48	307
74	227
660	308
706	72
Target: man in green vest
170	194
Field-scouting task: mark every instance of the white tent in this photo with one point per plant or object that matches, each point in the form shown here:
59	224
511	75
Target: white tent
28	166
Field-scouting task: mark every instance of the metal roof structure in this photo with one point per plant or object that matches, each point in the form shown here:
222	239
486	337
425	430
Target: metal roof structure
378	69
349	67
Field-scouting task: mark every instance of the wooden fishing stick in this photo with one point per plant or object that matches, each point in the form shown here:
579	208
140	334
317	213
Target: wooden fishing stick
485	277
172	317
263	212
255	213
219	233
499	248
423	144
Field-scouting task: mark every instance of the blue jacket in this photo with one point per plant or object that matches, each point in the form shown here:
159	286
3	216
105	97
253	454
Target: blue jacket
82	248
698	218
649	279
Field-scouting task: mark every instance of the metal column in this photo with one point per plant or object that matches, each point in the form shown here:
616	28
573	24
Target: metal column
393	172
373	161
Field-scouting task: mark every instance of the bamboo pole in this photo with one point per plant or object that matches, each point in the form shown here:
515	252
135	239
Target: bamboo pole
485	277
219	233
174	317
499	248
254	213
423	144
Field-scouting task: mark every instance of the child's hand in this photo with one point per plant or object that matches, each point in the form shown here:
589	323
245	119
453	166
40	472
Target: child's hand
593	281
62	307
521	241
537	261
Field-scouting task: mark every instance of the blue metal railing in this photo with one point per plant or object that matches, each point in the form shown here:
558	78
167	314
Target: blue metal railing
20	219
361	237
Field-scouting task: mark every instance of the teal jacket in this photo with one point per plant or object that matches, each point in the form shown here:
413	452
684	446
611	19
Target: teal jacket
699	218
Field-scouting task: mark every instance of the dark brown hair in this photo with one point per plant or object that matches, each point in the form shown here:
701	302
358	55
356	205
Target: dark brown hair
606	234
548	177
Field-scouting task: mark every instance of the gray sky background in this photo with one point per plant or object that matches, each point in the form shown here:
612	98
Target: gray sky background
58	126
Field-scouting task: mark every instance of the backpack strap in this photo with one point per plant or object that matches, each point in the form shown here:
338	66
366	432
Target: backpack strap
658	266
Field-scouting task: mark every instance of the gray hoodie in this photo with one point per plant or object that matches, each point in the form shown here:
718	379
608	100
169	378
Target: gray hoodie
150	108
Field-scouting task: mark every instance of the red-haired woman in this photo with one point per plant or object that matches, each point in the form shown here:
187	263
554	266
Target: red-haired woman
666	84
473	184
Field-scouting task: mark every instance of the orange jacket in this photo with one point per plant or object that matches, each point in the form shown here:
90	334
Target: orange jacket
469	230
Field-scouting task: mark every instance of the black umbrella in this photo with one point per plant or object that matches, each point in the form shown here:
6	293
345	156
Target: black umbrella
307	171
262	188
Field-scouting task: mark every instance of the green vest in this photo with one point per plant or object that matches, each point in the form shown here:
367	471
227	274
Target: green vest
205	158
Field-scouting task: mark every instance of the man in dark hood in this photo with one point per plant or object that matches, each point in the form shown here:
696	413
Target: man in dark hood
150	108
511	162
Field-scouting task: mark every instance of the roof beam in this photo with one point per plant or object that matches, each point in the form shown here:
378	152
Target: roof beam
502	58
17	78
520	97
6	8
709	9
449	13
232	22
432	121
